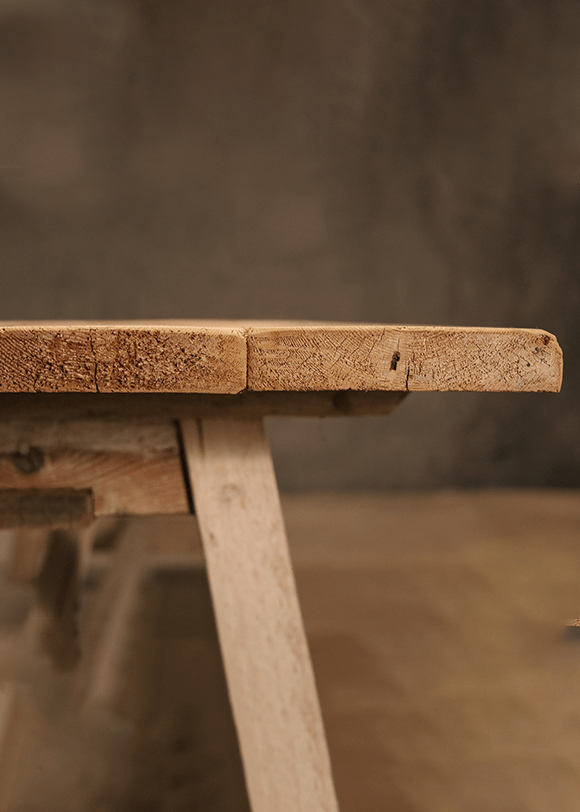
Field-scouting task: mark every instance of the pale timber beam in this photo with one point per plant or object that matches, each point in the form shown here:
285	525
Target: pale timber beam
266	657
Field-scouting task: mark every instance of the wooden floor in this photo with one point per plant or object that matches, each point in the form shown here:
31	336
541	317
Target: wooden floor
436	622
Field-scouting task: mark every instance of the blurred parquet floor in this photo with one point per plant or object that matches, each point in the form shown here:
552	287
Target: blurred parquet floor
436	623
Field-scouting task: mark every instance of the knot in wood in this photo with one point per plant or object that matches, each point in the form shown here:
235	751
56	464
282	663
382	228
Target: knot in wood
28	461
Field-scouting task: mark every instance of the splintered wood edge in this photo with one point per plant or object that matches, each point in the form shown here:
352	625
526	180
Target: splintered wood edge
235	357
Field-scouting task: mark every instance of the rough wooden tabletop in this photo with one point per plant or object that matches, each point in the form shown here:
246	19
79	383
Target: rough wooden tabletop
231	356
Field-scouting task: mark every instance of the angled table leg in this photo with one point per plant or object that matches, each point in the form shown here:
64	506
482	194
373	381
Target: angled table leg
264	648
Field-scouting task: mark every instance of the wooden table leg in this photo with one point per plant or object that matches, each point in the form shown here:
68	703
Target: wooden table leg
264	648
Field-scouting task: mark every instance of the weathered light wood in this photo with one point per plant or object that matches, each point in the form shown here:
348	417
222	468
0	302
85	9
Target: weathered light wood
85	357
128	460
403	358
264	648
228	357
131	466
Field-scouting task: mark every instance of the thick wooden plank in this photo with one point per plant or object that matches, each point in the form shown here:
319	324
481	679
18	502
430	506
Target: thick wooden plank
265	653
121	358
226	357
131	466
403	358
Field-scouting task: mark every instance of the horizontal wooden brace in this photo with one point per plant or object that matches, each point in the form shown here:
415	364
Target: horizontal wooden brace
52	507
183	406
131	466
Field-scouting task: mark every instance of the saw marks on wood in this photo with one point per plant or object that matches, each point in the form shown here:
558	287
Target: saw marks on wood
399	358
229	357
121	358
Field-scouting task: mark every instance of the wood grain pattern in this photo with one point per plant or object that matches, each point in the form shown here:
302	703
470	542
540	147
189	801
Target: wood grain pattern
131	466
266	658
403	358
229	357
121	358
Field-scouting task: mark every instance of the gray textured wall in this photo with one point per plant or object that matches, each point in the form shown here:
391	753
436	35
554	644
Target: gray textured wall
406	161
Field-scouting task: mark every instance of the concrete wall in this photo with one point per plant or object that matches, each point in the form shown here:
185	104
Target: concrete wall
406	161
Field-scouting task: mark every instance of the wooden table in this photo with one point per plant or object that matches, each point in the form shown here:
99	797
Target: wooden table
112	419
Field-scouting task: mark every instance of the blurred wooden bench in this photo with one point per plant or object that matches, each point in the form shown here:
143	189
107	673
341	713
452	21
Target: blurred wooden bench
116	419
